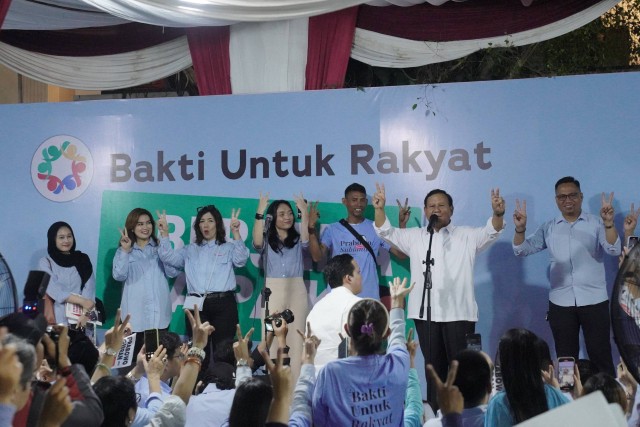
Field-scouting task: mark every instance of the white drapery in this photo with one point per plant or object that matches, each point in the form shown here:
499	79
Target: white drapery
268	57
381	50
69	14
100	72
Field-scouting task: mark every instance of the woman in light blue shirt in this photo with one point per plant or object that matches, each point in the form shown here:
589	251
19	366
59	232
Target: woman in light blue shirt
208	265
145	296
282	260
71	272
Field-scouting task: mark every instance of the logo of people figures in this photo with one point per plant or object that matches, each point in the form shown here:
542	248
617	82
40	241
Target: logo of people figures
62	168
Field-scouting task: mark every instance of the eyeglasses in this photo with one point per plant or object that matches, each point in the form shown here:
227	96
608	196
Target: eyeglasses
570	196
208	207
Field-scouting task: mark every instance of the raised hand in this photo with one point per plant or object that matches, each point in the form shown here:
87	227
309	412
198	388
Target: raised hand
412	346
549	377
201	331
157	363
301	204
114	336
314	214
404	212
309	346
263	202
497	202
398	291
241	347
606	211
125	241
379	198
631	221
448	395
57	404
235	223
163	226
520	216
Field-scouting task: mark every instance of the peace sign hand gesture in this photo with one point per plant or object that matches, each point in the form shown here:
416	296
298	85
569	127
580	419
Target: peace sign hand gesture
301	205
448	395
163	226
631	221
379	198
125	241
310	345
497	202
607	211
520	216
235	224
404	212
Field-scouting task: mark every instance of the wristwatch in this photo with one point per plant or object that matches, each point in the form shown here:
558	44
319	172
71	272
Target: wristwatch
242	362
110	352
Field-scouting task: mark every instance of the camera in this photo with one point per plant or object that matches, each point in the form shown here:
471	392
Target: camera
277	318
54	332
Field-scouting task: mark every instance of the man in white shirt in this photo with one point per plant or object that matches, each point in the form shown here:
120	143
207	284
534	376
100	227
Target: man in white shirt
328	316
454	249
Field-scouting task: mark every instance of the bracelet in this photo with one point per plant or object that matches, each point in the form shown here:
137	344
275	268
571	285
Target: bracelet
105	367
312	230
259	216
132	377
195	360
520	232
608	226
65	372
242	362
196	352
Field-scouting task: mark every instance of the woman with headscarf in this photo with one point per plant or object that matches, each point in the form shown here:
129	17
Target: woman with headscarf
72	279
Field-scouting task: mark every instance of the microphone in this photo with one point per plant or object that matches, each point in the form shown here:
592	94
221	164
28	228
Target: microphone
267	223
432	221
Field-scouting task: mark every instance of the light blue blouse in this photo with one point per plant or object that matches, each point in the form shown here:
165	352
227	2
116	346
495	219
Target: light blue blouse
285	264
208	266
146	291
64	282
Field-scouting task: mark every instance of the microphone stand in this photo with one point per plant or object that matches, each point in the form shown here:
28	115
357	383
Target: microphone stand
266	292
428	284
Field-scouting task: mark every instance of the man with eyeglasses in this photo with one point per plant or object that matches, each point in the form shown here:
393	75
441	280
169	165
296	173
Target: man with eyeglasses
577	242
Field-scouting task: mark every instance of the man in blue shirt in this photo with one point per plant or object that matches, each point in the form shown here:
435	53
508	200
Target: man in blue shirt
337	239
577	242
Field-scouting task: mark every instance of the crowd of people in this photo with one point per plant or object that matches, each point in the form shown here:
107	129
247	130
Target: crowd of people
343	361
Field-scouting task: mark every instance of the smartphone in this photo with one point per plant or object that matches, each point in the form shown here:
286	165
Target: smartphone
151	342
474	342
566	366
631	241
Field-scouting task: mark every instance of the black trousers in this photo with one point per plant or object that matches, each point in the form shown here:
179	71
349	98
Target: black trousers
222	313
447	339
565	323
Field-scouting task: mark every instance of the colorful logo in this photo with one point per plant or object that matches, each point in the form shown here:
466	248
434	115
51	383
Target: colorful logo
62	168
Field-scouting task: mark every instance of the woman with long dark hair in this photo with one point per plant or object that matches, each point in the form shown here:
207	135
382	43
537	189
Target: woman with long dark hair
369	387
71	272
282	260
525	393
145	296
208	264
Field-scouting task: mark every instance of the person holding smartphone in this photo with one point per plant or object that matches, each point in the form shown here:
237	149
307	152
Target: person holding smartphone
577	243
